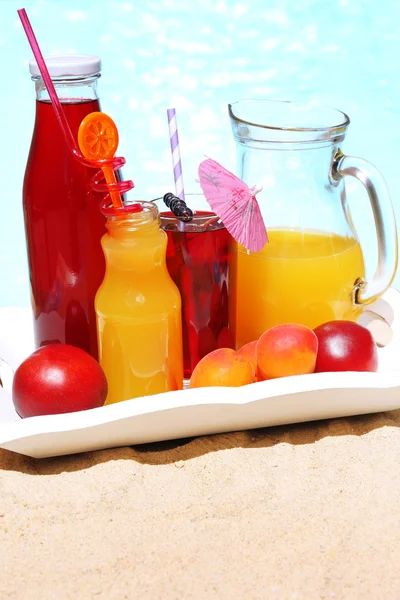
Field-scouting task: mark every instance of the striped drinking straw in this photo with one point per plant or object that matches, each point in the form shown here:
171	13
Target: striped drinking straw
176	154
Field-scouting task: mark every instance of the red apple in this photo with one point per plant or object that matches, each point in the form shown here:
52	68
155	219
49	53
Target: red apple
58	378
345	346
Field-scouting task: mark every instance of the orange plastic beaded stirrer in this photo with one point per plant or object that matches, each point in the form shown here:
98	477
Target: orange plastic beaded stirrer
98	140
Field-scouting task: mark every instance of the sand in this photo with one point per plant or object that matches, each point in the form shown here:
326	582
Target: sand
300	512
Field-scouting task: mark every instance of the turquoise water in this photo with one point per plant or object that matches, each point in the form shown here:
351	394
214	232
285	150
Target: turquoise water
198	56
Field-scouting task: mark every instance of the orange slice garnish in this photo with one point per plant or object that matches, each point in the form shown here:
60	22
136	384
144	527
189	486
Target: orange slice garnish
98	136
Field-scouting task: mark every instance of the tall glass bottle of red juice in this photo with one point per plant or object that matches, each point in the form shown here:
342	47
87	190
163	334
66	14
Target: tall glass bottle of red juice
63	222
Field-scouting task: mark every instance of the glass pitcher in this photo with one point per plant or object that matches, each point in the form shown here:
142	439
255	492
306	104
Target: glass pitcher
311	270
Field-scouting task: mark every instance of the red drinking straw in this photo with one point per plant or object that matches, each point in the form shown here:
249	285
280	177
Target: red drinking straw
115	163
49	84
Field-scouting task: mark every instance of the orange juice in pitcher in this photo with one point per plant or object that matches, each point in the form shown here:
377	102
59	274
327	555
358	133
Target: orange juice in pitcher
311	270
300	277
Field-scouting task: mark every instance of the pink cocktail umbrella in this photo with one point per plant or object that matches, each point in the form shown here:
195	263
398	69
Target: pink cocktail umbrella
234	203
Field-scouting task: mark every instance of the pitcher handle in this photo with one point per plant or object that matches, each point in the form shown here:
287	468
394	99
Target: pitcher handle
385	223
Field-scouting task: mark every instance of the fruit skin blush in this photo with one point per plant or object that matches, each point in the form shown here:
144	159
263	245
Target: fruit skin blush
58	378
345	346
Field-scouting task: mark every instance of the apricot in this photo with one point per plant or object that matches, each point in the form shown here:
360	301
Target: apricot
248	351
222	367
285	350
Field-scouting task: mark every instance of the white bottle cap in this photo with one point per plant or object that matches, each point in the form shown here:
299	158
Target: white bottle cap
68	65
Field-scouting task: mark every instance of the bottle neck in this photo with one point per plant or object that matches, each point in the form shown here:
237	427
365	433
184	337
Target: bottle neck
134	241
69	89
131	218
132	229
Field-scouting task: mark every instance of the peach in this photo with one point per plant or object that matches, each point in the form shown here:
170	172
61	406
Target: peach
222	367
285	350
249	353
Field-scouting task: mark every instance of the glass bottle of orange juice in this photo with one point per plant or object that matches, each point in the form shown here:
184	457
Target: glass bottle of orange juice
138	307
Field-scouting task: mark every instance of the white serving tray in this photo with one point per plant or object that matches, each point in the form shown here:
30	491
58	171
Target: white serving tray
205	410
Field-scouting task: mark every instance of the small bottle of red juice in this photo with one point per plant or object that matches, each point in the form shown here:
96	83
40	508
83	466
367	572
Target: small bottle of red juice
63	223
